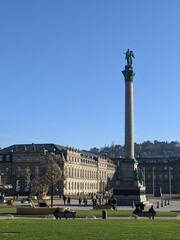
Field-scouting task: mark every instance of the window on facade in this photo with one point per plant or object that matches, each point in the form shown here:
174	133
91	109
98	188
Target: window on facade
37	158
83	173
149	176
72	172
18	185
69	185
165	176
1	158
69	172
19	158
75	172
36	172
75	185
160	176
18	171
7	158
65	171
26	186
72	186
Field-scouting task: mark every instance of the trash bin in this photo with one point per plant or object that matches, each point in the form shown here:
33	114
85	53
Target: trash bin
10	202
104	214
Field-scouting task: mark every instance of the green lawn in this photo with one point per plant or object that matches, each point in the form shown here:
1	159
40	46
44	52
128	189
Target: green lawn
84	213
90	229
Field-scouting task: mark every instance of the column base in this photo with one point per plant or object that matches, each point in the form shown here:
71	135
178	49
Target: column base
127	196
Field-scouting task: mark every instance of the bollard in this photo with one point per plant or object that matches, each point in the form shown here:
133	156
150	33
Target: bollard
157	204
162	203
104	214
165	203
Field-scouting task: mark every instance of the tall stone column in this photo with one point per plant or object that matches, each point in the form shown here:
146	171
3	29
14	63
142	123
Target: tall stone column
129	117
130	187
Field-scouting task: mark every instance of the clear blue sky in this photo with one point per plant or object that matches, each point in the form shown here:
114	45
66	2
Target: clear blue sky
60	71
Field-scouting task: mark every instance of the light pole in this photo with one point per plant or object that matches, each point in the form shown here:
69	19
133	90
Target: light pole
153	180
144	175
170	182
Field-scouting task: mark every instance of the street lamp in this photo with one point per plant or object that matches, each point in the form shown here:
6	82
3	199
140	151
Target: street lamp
170	182
144	175
153	180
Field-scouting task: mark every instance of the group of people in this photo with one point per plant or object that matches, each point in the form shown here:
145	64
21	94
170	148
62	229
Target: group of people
96	200
84	201
113	202
68	200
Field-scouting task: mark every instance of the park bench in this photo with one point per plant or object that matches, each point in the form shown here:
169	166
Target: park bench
139	211
65	214
145	214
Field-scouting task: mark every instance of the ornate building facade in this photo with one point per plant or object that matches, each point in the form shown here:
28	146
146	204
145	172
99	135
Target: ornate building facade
83	171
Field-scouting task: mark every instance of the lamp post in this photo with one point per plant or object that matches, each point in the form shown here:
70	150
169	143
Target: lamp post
170	182
144	175
153	180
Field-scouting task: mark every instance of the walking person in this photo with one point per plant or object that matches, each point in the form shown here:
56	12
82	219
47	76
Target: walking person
64	199
69	201
80	202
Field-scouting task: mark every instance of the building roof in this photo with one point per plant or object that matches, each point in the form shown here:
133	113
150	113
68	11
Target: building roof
31	147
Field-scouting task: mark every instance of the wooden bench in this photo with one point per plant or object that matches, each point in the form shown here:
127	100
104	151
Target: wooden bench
145	214
65	215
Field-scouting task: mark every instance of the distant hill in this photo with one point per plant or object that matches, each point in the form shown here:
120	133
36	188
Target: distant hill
144	149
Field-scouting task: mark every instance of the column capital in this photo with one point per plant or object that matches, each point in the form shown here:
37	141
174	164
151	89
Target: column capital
128	73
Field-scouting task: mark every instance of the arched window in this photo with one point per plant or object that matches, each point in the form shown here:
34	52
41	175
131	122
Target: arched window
69	172
77	172
72	172
65	171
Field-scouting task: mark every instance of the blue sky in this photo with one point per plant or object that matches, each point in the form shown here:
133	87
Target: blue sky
60	71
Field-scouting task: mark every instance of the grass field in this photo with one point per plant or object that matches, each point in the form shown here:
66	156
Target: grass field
84	213
89	229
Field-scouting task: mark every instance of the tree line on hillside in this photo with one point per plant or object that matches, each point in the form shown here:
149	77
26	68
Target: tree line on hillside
145	149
